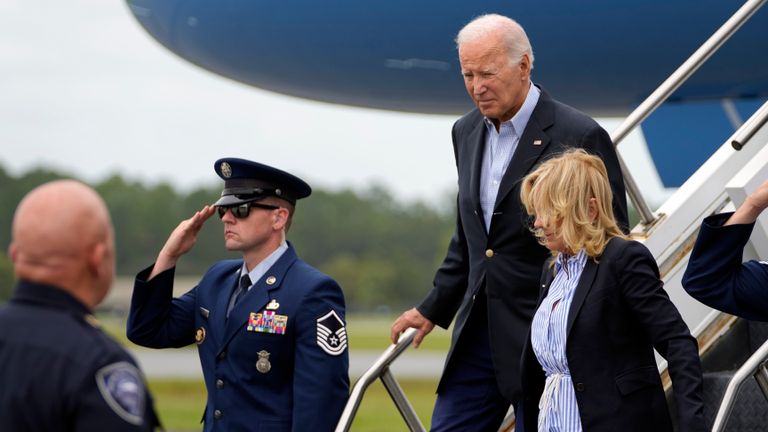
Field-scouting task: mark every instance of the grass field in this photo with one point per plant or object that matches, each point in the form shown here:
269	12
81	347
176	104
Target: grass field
180	404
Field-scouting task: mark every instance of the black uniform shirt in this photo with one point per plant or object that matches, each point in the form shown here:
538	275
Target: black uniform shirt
59	372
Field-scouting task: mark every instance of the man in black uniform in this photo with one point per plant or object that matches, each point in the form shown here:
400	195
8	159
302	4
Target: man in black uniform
58	370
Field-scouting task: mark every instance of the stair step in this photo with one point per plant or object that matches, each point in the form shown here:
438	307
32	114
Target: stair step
750	410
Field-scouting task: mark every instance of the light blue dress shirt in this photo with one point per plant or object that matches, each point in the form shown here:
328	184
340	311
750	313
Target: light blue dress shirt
258	271
558	411
499	147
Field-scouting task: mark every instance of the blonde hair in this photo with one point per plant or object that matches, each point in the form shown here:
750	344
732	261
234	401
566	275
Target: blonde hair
558	193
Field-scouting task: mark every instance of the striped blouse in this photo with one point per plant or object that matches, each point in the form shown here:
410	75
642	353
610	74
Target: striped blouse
558	411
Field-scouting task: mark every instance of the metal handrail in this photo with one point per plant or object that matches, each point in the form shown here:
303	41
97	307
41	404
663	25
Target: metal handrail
754	366
670	85
748	130
380	369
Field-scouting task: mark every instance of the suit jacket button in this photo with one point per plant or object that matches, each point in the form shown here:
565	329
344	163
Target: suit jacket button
489	253
217	414
219	384
579	387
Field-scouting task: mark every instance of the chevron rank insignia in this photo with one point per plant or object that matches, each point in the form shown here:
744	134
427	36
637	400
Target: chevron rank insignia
331	334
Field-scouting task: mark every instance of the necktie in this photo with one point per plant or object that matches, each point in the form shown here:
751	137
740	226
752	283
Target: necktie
245	283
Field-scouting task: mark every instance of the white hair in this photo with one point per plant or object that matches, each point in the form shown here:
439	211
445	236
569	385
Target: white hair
515	39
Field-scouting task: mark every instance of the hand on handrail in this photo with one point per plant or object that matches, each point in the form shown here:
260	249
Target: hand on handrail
411	318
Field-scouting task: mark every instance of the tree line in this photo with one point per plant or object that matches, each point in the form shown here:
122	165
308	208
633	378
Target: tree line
383	252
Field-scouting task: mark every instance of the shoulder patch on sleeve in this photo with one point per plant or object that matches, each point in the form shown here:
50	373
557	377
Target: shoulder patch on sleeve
331	334
122	387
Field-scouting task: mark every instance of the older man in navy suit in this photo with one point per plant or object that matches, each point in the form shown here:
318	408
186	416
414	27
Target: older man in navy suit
269	328
716	276
489	278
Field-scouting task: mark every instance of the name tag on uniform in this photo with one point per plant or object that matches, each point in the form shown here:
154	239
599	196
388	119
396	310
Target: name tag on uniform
267	322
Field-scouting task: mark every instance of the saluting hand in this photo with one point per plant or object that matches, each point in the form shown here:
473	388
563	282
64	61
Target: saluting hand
181	240
411	318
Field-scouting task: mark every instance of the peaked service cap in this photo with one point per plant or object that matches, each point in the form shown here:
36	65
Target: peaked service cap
246	181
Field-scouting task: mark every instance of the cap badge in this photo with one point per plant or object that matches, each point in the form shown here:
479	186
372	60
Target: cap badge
263	365
226	170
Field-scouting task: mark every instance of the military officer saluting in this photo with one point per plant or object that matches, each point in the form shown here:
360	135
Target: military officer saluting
269	328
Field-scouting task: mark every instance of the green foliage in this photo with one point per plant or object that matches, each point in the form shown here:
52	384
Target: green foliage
6	278
13	189
145	216
633	215
382	252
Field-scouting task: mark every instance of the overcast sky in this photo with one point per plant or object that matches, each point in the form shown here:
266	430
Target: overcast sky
85	90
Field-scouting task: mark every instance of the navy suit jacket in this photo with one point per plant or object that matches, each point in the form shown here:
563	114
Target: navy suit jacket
619	314
507	260
305	387
716	275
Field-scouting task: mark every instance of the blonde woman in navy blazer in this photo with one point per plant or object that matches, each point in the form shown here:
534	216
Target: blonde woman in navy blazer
588	363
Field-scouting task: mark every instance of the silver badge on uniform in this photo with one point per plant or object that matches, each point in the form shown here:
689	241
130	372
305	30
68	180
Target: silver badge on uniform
263	365
331	334
122	387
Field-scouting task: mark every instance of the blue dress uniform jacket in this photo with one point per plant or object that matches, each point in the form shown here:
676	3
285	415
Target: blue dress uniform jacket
619	314
256	380
716	275
59	372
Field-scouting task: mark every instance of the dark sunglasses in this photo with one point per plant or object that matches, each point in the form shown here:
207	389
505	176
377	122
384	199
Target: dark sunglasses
241	211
